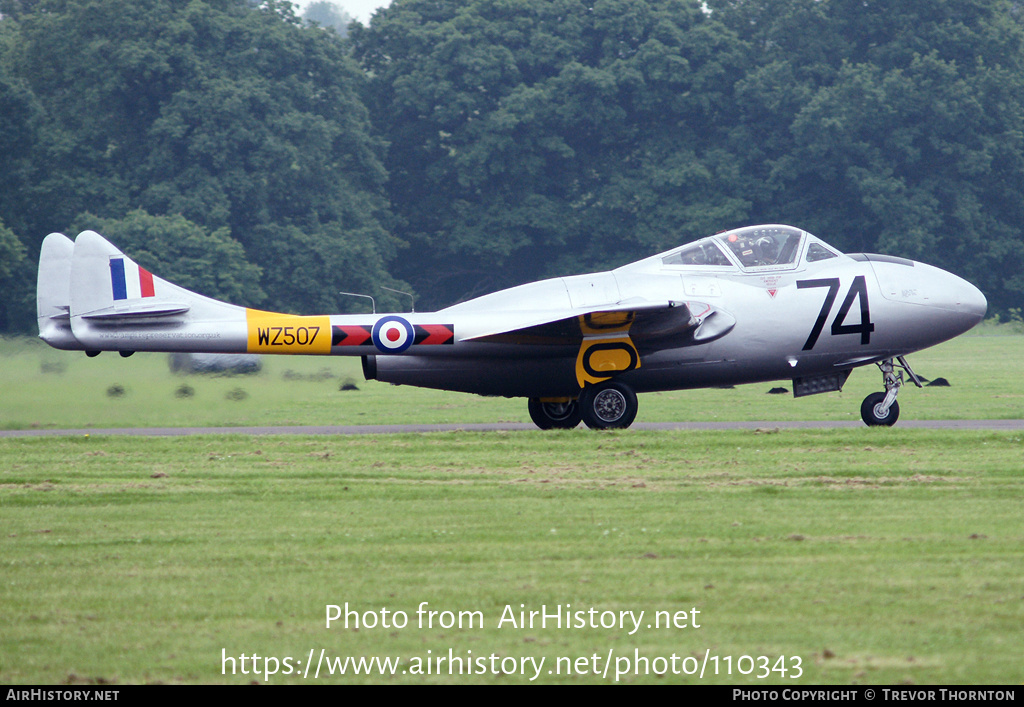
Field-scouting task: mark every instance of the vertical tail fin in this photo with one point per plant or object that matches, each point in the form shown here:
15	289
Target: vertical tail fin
116	304
53	293
92	297
107	284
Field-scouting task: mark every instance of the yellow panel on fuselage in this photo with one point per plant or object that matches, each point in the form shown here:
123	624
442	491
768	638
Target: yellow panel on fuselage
273	333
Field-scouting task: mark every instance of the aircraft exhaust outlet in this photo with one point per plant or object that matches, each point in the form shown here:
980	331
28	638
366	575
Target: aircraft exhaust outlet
370	368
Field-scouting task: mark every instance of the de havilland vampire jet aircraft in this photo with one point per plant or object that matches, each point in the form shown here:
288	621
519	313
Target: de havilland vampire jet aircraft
755	304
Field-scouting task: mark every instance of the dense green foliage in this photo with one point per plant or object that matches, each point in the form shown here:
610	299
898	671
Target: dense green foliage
231	117
534	136
890	127
14	281
465	145
327	14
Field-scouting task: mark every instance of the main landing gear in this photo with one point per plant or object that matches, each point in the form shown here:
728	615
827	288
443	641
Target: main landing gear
558	415
605	406
881	409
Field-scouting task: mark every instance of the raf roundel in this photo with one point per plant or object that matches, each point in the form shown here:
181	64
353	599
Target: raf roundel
393	334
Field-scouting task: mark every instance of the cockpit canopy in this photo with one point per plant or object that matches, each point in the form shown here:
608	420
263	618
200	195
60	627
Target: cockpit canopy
753	248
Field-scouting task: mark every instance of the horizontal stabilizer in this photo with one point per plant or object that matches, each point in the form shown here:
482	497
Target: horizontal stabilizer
63	313
141	312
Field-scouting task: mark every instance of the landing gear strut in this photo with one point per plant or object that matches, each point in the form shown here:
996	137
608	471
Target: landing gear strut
881	409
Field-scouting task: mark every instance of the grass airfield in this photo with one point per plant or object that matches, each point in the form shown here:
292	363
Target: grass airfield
850	556
45	388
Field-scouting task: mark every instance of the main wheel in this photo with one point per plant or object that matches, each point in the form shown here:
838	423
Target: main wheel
559	416
608	405
869	411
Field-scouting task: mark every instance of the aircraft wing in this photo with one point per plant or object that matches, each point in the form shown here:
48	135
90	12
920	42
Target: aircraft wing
643	322
608	336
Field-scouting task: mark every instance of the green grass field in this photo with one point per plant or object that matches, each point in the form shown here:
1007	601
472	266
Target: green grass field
849	556
45	388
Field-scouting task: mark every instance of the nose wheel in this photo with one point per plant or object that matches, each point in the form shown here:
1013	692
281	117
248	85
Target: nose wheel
881	409
877	413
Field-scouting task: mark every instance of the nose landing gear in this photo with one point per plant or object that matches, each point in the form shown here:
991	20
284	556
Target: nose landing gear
881	409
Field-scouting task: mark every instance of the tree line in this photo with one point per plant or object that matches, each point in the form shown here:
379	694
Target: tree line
454	147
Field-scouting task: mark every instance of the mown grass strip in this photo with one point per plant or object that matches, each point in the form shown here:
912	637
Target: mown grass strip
44	388
875	556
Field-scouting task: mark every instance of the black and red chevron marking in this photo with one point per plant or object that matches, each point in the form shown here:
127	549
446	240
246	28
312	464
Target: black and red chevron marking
434	334
426	335
350	335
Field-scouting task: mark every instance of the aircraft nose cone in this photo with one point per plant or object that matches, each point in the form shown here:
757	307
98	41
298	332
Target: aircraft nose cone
972	301
956	294
944	305
964	303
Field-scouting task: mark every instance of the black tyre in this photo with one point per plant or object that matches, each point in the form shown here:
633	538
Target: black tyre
559	416
869	411
608	405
